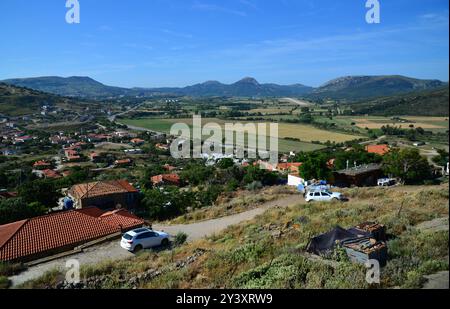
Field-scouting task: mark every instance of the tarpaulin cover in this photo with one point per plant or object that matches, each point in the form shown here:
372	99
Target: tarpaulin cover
326	242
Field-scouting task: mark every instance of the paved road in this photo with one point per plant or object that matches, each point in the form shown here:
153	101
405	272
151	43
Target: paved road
112	118
113	251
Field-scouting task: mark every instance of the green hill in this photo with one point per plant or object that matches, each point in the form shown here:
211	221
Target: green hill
71	86
422	103
354	88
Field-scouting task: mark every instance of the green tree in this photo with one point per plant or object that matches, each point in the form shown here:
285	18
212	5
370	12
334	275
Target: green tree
196	174
408	165
315	165
442	159
225	163
17	209
40	191
166	204
360	156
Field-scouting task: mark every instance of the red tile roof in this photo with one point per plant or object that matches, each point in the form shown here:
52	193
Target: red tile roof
137	141
51	174
7	195
378	149
91	211
122	162
169	178
36	237
41	164
169	168
285	166
122	219
101	188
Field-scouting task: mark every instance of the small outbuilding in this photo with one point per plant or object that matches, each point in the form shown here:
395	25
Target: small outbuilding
360	176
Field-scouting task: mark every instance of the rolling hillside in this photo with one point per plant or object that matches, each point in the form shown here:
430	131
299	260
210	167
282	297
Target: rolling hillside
17	101
71	86
422	103
353	88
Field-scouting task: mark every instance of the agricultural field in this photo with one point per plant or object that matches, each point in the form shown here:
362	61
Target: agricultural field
435	124
305	134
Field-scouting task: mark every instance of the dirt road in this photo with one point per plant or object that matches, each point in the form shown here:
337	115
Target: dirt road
210	227
298	102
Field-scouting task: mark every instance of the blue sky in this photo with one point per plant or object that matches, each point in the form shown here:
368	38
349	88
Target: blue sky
151	43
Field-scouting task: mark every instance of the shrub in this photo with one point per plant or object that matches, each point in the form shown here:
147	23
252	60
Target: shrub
8	269
255	185
4	282
180	238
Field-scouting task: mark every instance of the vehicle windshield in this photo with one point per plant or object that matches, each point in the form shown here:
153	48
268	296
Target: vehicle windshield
127	236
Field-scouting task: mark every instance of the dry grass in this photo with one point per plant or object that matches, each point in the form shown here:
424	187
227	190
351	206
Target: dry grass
234	203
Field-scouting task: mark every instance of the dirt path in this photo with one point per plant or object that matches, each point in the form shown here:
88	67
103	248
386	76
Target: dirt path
112	251
199	230
298	102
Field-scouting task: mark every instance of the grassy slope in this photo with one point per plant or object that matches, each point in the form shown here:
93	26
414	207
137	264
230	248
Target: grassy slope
17	101
248	256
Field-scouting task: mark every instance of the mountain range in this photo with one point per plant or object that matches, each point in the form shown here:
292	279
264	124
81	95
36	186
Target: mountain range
350	88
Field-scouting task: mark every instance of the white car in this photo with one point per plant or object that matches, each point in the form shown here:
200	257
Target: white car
323	196
386	182
143	238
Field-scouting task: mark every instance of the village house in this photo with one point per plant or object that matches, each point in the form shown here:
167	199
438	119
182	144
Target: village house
48	235
378	149
290	168
104	194
51	174
23	139
95	157
163	147
137	141
169	168
122	163
5	195
41	165
166	179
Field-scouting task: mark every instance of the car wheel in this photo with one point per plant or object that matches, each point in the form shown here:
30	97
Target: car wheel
335	199
165	242
138	248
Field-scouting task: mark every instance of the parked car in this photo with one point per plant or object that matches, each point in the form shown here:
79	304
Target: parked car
143	238
323	196
386	182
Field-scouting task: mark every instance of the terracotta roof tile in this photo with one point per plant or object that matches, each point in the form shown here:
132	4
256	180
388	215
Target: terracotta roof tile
101	188
122	219
91	211
24	239
45	233
378	149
